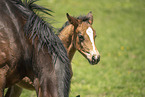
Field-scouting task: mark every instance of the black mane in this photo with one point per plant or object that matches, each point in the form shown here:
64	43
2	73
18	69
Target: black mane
36	26
82	18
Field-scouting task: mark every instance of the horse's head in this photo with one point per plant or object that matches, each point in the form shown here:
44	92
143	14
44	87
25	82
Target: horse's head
84	36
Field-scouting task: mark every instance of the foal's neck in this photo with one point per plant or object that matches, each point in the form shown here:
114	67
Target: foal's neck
66	36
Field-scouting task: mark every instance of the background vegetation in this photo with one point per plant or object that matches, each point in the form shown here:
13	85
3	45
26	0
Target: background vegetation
120	27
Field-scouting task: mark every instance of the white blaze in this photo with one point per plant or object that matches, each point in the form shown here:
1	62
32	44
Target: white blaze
89	31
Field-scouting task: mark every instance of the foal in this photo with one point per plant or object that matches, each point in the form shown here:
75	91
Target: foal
78	34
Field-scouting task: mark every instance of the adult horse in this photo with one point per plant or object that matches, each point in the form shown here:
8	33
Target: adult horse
76	34
29	47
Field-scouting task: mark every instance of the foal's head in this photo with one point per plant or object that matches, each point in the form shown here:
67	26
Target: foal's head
84	36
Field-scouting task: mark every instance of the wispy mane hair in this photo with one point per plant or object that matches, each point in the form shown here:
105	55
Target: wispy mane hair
36	26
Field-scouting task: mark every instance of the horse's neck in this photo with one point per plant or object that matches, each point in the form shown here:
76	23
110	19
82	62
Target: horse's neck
66	37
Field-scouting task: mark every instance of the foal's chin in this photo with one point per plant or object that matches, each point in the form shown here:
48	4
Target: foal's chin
91	60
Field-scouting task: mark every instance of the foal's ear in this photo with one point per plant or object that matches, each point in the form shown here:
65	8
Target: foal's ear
90	16
72	20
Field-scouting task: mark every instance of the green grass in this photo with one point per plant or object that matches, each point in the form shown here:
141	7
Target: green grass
120	27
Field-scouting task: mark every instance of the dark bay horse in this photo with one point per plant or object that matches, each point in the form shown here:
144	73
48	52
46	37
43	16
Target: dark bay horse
29	47
74	36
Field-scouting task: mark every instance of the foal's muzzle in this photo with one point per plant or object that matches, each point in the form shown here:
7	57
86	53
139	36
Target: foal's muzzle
94	60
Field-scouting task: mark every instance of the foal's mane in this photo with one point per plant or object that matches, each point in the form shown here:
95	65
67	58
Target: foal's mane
36	26
82	18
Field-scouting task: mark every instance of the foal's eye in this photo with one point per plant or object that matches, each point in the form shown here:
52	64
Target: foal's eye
81	38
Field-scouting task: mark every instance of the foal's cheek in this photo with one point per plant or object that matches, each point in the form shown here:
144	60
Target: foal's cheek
84	46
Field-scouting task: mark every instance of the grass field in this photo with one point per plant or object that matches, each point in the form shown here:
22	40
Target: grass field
120	27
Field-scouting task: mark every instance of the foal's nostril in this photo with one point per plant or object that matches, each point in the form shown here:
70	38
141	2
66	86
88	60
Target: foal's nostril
94	59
